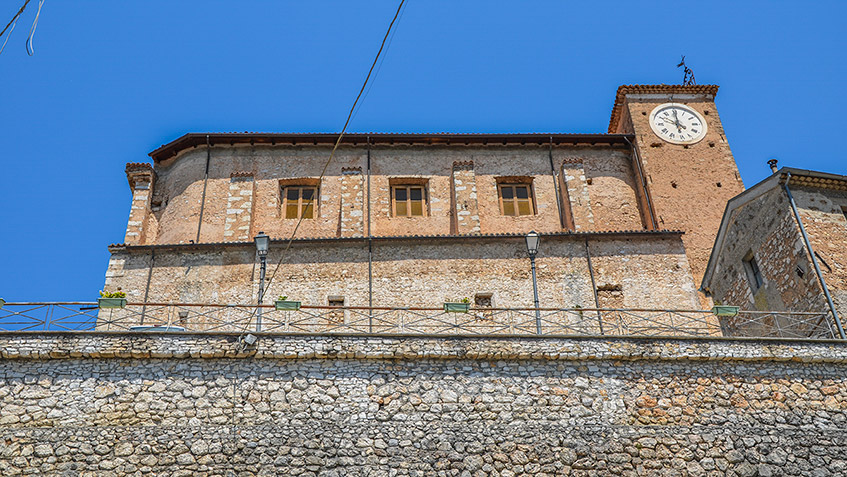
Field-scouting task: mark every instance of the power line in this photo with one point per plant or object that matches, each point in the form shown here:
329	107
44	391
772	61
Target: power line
334	148
14	18
12	23
341	135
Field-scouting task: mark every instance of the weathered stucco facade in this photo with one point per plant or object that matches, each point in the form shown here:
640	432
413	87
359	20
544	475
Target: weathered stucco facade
760	227
179	404
602	203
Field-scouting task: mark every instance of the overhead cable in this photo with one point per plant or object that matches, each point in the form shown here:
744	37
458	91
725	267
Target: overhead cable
12	23
341	135
29	50
332	153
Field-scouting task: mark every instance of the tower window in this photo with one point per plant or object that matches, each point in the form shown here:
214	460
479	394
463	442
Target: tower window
515	199
754	275
299	201
408	200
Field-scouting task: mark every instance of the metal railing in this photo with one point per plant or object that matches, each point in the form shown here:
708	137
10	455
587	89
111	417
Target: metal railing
216	318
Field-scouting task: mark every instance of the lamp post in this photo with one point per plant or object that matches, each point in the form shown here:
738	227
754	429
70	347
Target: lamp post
532	240
262	243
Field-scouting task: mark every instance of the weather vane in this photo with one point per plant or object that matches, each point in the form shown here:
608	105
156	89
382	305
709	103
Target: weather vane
688	79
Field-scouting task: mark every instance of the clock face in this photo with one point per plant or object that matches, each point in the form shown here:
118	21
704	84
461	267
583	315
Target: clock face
677	123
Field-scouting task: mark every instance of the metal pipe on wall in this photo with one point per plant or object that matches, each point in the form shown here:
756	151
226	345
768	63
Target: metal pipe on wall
593	285
205	182
812	257
370	245
555	184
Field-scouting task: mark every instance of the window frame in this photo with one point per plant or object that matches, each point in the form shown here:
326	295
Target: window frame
515	200
408	202
300	206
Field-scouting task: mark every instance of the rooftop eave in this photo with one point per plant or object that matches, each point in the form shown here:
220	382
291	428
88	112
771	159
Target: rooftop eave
794	177
668	89
193	140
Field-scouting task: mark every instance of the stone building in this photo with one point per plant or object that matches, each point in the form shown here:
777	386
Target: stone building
627	218
780	246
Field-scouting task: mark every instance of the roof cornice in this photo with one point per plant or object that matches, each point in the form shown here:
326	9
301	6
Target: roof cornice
192	140
669	89
400	238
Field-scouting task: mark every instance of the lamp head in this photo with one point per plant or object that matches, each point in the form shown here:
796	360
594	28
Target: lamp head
262	244
532	240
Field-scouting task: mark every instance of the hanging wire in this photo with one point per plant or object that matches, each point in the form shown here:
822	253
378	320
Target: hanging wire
12	23
29	50
341	135
329	160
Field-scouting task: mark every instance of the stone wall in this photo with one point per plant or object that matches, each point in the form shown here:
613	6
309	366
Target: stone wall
117	404
775	241
650	269
468	192
824	215
689	184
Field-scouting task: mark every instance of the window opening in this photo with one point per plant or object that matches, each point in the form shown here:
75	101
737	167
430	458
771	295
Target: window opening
754	274
409	200
515	199
335	315
299	201
483	300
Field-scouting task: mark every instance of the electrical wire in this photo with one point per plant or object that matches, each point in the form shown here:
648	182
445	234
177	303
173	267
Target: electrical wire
331	155
29	50
341	135
12	23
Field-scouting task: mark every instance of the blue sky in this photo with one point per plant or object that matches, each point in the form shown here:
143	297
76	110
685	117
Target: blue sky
111	81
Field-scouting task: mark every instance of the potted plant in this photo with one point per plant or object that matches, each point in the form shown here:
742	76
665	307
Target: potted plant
462	306
725	310
282	303
112	299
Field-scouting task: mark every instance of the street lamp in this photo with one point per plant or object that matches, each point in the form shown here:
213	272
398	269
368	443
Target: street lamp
262	243
532	240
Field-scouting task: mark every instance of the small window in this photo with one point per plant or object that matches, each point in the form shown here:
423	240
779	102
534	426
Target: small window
335	315
515	199
408	200
299	201
483	300
754	275
844	211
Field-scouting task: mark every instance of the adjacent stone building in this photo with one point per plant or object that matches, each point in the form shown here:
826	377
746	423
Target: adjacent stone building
780	246
627	217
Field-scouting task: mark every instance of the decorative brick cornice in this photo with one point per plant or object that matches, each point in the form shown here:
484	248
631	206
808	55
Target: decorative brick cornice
462	165
351	170
241	174
833	183
668	89
139	171
138	166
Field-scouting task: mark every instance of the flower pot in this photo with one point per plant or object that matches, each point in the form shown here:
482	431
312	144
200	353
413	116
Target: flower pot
286	305
111	302
725	310
457	307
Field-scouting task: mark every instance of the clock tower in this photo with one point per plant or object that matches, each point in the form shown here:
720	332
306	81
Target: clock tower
688	170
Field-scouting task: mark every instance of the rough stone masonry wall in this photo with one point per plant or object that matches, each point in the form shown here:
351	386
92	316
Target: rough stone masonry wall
777	245
824	217
651	271
146	404
178	192
689	184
